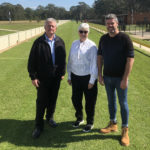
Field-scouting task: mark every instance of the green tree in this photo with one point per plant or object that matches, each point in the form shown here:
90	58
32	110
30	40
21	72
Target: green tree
81	11
40	12
5	8
29	14
103	7
19	12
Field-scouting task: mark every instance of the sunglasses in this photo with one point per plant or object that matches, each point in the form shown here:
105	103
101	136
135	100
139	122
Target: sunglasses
81	32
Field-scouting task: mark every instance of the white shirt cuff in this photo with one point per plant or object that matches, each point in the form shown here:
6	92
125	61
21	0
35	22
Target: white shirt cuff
92	80
69	75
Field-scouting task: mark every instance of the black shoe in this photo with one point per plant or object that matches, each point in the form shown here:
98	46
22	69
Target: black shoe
52	123
88	128
36	133
77	123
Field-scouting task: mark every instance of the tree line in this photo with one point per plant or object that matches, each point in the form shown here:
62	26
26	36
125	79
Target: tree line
103	7
81	11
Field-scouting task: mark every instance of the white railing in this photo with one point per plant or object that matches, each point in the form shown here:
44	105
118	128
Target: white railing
10	40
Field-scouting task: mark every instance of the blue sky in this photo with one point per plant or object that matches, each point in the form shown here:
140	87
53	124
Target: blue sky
60	3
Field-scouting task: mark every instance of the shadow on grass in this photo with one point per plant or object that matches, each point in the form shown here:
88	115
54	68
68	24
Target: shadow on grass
148	55
19	133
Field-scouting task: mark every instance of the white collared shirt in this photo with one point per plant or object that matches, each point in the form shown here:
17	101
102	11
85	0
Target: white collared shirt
83	60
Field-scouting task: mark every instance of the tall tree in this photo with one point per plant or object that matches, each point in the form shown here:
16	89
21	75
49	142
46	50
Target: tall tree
40	12
7	10
19	12
29	14
81	11
103	7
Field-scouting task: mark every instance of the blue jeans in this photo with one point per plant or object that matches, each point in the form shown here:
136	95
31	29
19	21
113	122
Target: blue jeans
112	84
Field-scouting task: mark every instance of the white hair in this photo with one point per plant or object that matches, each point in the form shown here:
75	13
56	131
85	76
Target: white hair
84	26
50	20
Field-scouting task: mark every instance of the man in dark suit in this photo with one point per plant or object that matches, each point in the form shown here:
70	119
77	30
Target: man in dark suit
46	67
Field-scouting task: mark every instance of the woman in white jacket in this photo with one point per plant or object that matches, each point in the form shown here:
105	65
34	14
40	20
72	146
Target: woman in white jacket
82	75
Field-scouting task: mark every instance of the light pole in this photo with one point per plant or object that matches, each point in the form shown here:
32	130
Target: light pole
132	15
9	14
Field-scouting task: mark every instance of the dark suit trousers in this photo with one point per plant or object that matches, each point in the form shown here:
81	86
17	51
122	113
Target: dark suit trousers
80	87
46	99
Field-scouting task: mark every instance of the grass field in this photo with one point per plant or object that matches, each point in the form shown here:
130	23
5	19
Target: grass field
17	106
18	26
5	32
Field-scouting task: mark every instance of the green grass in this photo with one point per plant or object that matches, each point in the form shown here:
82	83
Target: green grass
5	32
102	27
140	41
20	25
135	27
17	106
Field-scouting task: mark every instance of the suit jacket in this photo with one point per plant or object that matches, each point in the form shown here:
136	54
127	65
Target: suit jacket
40	65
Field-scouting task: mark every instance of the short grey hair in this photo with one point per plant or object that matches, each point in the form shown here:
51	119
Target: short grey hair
84	26
50	20
111	16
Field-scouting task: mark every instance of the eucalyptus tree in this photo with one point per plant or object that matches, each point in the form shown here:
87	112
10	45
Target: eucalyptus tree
29	13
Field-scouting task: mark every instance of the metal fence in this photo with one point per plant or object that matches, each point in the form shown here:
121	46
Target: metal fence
141	30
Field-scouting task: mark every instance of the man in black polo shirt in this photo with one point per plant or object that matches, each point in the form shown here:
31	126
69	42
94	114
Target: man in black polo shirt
115	57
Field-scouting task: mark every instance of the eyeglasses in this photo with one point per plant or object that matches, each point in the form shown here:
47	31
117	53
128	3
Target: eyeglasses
81	32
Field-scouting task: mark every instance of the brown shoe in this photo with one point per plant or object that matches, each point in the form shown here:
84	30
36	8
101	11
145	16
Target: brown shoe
112	127
125	138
